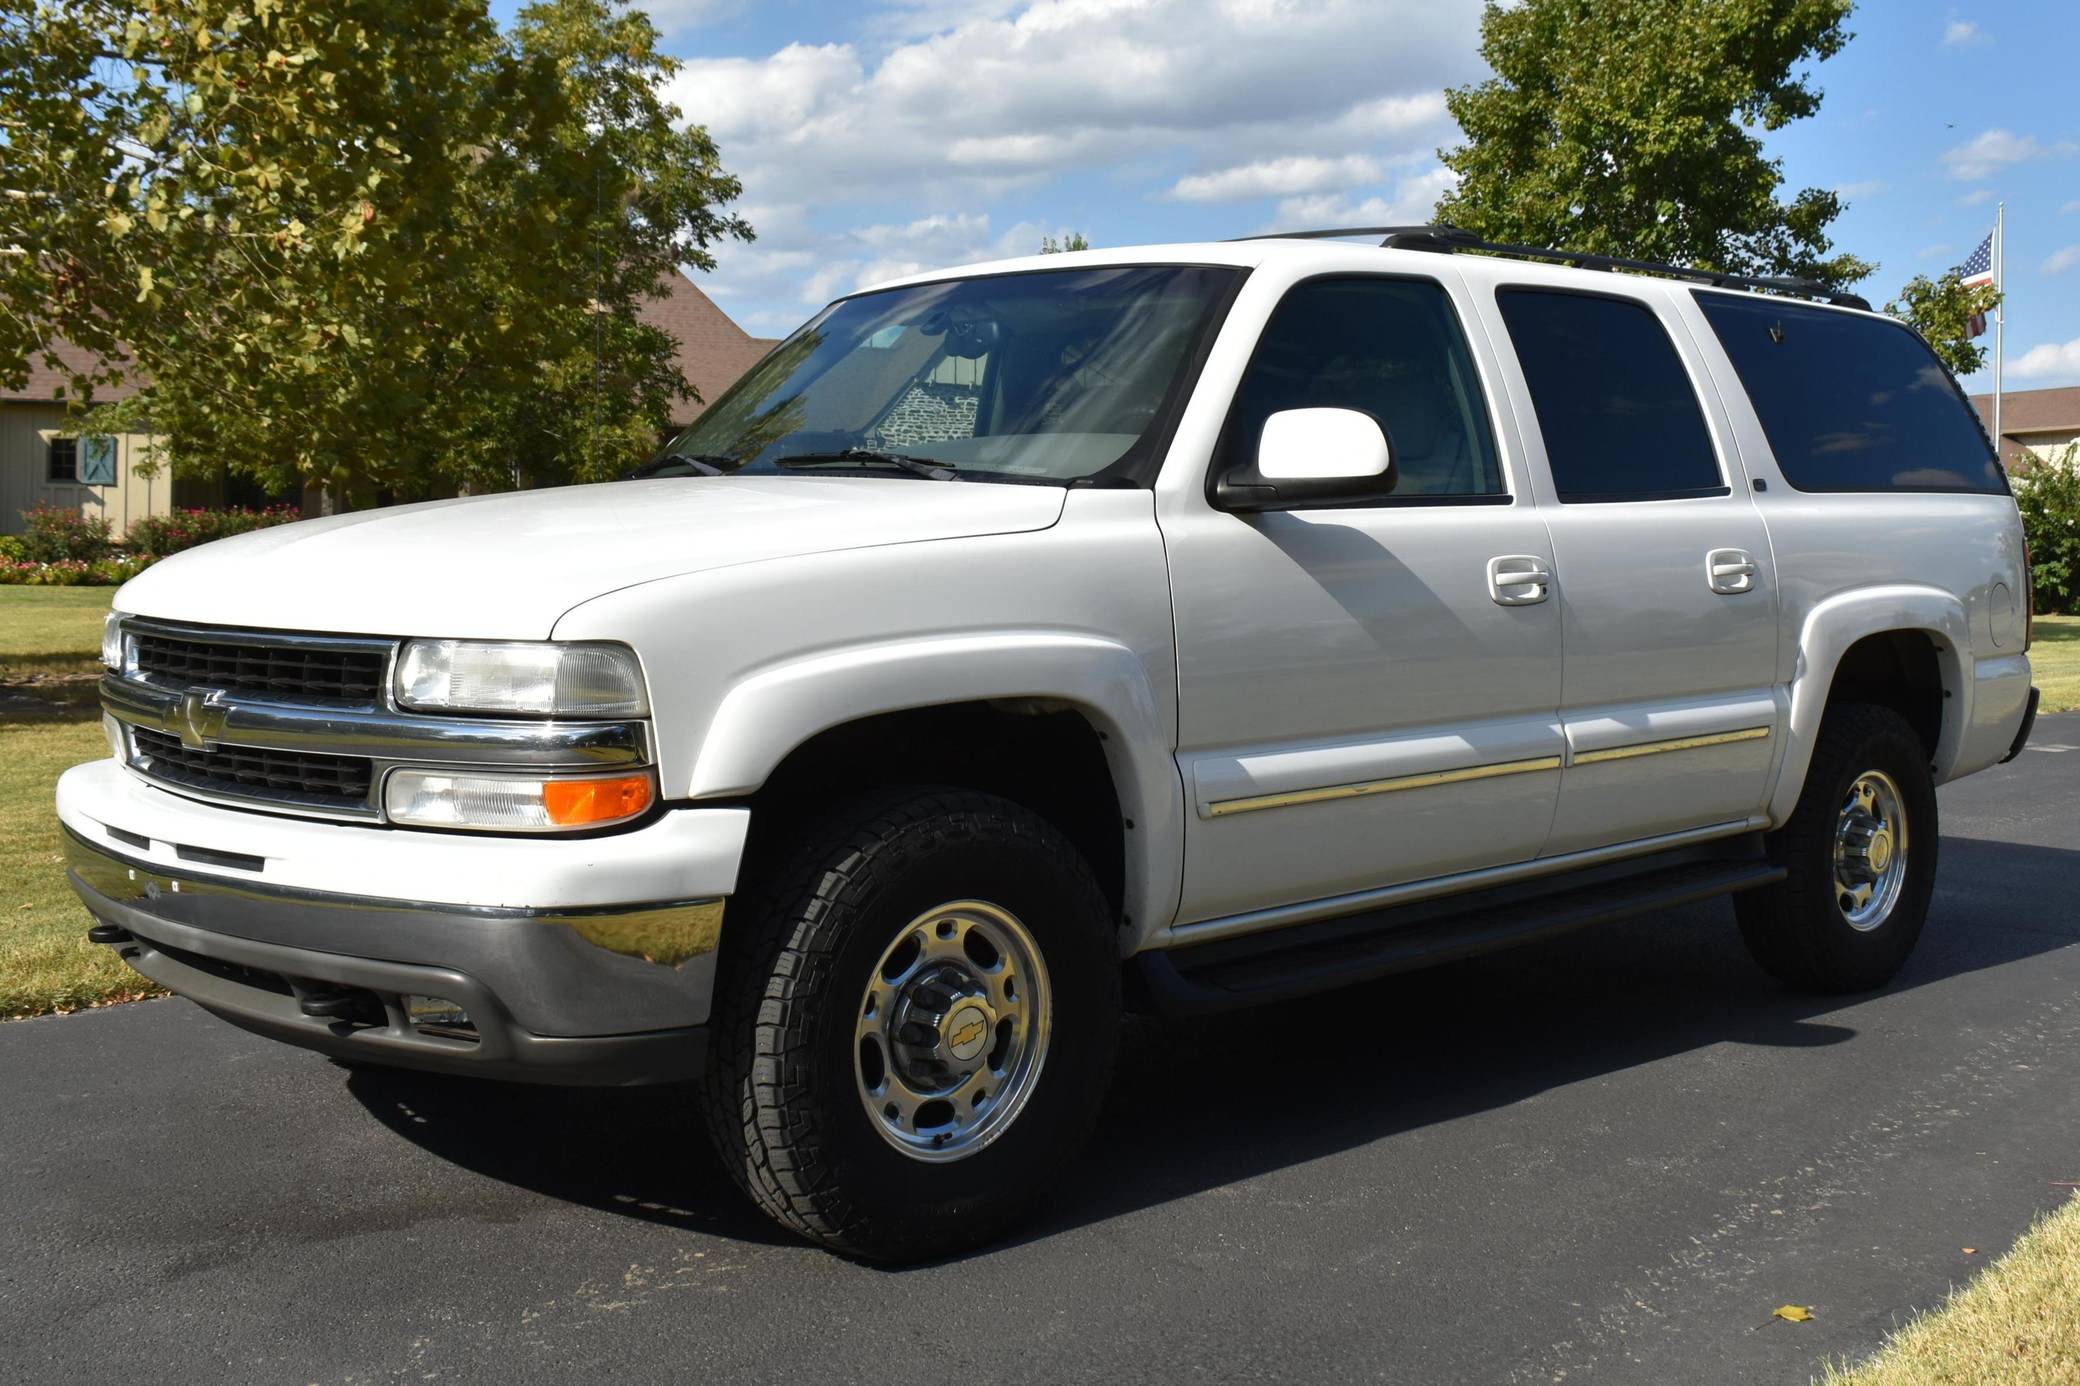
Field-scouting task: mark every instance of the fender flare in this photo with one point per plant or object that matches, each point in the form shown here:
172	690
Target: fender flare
1835	624
773	711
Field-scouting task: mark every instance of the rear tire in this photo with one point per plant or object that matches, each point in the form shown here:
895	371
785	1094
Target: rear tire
1861	852
874	1083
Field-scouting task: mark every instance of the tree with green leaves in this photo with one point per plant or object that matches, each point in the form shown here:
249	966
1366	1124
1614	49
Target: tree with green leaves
1632	128
1942	311
1074	240
374	245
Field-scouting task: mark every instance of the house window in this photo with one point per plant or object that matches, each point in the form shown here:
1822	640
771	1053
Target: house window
64	459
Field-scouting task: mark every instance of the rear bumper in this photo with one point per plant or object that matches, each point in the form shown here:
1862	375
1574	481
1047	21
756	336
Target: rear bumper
525	981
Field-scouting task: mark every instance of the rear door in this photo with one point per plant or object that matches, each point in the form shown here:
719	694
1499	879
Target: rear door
1666	590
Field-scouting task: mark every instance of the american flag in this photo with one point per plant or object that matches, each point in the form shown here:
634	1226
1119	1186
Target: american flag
1977	269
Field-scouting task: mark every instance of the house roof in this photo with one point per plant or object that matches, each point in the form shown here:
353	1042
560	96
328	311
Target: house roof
2027	412
713	351
46	382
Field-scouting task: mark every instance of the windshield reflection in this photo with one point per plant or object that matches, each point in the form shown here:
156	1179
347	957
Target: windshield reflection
1053	376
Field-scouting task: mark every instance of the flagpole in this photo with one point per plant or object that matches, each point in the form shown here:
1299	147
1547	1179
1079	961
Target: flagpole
2000	312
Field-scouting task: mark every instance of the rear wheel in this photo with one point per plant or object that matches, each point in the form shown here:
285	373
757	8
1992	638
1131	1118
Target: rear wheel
920	1034
1860	850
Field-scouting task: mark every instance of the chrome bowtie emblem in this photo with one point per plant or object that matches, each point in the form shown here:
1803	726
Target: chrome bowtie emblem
199	720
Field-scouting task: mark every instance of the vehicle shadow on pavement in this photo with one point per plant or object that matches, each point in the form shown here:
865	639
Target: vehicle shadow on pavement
639	1152
1200	1104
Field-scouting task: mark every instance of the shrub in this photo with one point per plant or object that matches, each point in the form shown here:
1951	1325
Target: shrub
71	572
53	534
2049	497
12	550
160	535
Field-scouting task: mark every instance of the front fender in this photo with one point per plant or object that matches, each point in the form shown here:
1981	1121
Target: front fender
766	715
1837	623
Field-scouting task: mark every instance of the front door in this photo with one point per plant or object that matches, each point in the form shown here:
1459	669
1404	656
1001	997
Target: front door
1664	582
1367	694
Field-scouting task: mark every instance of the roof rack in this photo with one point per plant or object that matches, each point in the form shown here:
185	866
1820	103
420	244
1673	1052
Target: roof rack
1447	240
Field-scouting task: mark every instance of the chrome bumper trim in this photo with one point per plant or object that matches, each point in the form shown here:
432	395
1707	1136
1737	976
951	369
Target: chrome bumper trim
202	719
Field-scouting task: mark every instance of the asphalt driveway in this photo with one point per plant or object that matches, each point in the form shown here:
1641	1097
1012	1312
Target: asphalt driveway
1605	1159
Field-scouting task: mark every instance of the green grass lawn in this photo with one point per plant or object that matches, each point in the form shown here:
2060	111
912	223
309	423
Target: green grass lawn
2054	658
48	631
50	638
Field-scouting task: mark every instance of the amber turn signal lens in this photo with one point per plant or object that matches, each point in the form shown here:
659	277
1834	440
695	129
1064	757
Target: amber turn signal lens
573	803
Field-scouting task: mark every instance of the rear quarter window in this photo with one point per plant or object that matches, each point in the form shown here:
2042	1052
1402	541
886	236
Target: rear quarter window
1852	403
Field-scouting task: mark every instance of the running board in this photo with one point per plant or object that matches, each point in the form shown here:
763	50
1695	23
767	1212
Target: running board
1298	961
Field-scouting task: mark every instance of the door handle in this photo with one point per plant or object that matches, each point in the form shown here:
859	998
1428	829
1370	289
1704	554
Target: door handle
1730	572
1518	579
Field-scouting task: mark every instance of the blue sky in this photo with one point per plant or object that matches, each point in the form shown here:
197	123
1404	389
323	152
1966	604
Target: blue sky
877	137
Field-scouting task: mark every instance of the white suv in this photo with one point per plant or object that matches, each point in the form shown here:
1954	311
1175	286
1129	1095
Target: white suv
1183	626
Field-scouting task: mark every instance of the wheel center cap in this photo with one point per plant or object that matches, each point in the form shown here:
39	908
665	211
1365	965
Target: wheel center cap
1879	852
965	1031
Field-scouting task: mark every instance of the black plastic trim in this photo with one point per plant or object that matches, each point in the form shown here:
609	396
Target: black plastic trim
2029	722
1305	959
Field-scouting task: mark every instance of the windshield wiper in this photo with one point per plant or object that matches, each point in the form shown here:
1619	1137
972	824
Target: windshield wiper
680	464
925	467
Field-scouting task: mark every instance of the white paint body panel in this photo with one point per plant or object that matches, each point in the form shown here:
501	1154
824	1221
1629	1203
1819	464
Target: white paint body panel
506	566
1221	656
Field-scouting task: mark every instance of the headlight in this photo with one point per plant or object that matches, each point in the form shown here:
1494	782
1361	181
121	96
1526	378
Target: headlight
500	676
515	803
112	640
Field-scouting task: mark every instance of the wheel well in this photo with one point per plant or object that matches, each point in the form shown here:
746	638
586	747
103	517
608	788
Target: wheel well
1042	755
1896	669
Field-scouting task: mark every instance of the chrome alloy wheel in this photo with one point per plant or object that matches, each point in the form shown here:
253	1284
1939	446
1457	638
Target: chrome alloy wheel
1870	851
952	1030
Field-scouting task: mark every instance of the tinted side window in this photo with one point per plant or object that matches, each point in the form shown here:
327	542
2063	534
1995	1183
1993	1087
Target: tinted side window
1390	348
1851	403
1614	404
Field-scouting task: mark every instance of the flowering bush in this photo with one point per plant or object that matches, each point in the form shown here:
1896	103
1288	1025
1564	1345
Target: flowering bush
2048	495
54	534
71	572
160	535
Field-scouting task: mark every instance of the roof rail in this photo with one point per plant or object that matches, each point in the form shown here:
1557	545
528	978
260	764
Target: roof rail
1446	240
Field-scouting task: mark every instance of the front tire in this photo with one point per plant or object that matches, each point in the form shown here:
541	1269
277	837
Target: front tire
1860	850
919	1033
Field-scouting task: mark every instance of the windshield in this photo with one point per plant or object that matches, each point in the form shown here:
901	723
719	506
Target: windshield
1048	376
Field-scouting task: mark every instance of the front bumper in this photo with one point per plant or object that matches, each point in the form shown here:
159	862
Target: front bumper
563	980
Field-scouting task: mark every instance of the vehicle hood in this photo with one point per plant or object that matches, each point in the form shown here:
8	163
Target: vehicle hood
506	566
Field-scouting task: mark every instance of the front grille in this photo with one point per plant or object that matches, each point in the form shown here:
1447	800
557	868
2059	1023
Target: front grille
280	673
294	777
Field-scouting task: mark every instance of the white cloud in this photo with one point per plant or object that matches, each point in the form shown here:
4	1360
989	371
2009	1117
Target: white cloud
1975	197
968	104
878	154
1299	173
2062	259
1929	252
1962	33
1868	187
772	285
1413	202
1994	150
2073	206
2052	359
